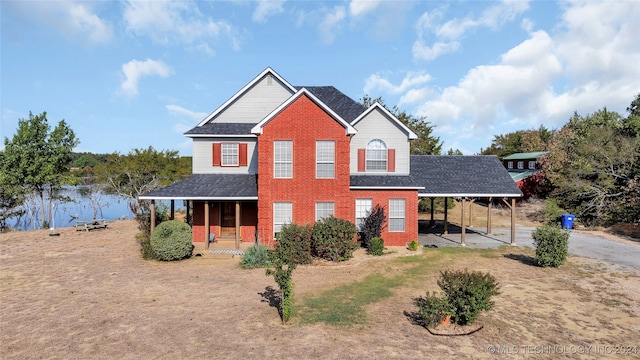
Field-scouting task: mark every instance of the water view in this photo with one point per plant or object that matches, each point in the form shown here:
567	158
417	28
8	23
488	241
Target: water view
81	207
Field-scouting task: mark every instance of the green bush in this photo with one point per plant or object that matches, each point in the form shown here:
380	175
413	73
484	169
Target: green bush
333	239
552	212
467	293
372	225
256	256
171	240
433	309
376	246
294	241
552	245
413	245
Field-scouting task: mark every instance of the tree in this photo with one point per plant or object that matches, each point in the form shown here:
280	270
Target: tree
454	152
426	143
519	141
37	159
139	172
592	167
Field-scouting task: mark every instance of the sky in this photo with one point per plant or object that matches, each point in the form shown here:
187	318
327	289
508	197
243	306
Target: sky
134	74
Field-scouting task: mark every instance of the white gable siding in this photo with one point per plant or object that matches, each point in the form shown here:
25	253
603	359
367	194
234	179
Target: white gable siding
256	103
377	125
203	156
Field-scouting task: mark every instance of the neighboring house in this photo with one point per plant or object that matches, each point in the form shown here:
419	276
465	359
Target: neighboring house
526	170
275	153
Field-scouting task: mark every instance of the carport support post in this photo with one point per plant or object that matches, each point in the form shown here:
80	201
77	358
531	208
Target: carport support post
153	215
173	210
432	221
446	209
513	221
462	230
489	216
206	224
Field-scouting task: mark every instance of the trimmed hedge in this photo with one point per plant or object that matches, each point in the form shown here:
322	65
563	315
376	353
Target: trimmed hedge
376	246
333	239
171	240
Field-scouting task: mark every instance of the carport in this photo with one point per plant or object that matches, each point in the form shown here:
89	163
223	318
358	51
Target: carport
466	179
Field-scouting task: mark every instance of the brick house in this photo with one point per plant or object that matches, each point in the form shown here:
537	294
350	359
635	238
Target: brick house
275	153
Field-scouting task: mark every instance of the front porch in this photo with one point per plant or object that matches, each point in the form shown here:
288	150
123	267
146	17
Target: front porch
224	248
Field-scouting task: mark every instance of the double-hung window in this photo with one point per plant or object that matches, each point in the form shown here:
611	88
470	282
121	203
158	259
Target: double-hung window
229	154
282	213
376	155
532	165
520	165
397	215
283	159
510	165
324	210
325	159
363	207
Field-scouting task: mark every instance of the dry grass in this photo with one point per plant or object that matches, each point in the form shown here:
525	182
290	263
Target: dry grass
89	295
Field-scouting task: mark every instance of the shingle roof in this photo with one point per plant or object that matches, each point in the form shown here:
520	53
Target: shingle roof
383	181
528	155
346	107
523	174
478	176
210	187
221	129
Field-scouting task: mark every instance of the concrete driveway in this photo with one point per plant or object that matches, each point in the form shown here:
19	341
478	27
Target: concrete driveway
580	244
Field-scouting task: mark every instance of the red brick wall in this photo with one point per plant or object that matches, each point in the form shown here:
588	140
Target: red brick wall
411	213
303	122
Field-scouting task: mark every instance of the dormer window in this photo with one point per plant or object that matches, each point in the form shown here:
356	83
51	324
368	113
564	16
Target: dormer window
532	165
376	155
520	165
510	165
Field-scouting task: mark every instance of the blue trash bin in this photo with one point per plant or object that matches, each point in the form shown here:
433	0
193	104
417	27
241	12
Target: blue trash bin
567	221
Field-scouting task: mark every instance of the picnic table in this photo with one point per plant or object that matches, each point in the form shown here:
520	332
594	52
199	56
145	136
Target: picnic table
89	225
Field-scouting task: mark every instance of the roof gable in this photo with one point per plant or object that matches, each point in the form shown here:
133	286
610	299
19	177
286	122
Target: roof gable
343	105
266	72
389	115
350	130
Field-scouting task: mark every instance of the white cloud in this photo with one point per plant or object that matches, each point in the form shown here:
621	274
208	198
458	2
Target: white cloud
412	79
72	19
168	22
448	34
588	62
331	24
361	7
179	110
135	69
267	8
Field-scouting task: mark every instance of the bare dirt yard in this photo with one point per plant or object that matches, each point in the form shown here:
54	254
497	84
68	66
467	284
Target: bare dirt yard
89	295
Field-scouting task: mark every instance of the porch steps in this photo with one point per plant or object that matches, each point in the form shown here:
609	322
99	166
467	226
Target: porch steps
221	249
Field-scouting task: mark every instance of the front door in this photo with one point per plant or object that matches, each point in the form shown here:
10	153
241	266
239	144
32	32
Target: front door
228	219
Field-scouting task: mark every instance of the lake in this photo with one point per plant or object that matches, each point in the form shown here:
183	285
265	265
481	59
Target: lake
107	207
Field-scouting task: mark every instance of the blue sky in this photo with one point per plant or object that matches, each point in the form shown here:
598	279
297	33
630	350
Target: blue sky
130	74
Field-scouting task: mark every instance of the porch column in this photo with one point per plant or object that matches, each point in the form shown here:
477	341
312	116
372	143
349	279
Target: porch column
489	216
206	224
153	215
462	229
513	221
237	225
446	211
471	212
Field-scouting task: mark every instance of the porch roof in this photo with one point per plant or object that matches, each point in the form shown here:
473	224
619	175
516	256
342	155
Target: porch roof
208	187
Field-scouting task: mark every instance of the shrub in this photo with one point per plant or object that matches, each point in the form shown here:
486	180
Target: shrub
256	256
552	245
413	245
171	240
294	242
333	239
283	264
552	212
433	309
372	225
376	246
468	293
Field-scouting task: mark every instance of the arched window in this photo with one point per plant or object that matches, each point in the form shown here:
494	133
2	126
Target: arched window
376	155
